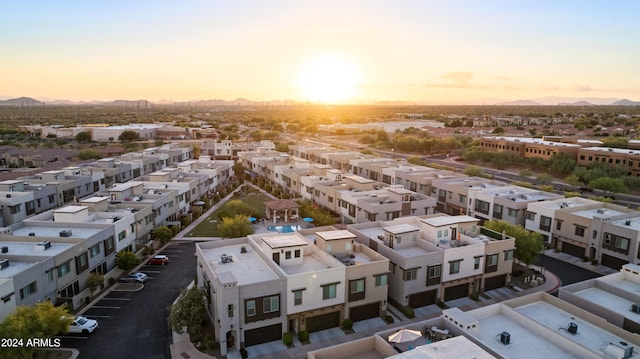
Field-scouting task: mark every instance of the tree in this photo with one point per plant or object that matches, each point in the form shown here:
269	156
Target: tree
189	313
43	320
94	281
473	171
162	234
236	226
528	244
83	137
498	131
609	184
129	136
236	206
127	260
89	154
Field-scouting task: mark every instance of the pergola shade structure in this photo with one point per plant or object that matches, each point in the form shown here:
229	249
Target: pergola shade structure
281	209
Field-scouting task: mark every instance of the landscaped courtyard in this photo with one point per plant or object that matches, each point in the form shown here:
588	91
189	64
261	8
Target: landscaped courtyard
250	198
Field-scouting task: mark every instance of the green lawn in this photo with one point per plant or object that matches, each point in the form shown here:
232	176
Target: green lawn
208	227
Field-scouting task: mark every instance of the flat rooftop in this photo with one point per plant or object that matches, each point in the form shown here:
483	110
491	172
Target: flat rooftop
337	234
311	263
283	241
595	212
633	223
561	203
50	232
448	220
401	228
614	150
588	336
247	268
15	268
32	249
457	347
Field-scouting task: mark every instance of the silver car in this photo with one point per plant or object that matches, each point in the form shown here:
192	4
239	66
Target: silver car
137	277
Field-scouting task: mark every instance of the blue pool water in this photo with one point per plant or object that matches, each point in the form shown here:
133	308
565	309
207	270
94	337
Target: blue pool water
285	229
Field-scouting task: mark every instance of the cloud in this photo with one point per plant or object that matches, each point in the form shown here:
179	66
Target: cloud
452	80
583	88
500	78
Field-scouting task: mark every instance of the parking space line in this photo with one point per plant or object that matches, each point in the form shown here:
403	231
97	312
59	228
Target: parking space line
104	307
109	298
97	316
70	337
152	271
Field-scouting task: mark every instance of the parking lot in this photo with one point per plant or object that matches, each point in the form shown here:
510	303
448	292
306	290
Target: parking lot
132	317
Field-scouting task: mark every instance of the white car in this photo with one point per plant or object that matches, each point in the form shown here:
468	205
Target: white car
82	325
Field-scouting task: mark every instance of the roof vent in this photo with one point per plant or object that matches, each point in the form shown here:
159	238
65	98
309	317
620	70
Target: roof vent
573	328
5	249
32	234
243	249
635	308
226	259
4	263
627	222
505	338
65	233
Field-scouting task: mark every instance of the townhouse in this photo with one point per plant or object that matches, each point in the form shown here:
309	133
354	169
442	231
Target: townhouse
228	150
438	257
418	178
540	216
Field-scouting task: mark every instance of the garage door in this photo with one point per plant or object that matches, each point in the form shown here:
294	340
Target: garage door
494	282
263	335
572	249
421	299
455	292
613	262
363	312
322	322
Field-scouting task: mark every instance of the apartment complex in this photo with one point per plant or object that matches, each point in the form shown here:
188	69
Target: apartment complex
528	147
626	158
266	284
438	257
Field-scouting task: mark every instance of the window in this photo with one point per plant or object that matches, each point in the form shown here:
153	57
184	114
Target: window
50	275
579	231
558	225
94	250
64	268
497	211
545	223
508	255
512	212
531	216
28	290
230	310
356	286
462	198
296	253
492	260
454	266
271	304
297	297
251	308
287	255
329	248
122	235
329	291
439	234
476	262
410	274
392	267
621	243
398	239
380	280
482	206
14	209
434	271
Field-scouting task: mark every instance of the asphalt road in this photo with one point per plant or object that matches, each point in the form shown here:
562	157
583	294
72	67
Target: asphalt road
567	272
133	324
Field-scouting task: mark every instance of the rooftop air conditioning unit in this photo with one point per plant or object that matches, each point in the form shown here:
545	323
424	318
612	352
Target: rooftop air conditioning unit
65	233
620	350
4	263
627	223
45	245
32	234
505	338
5	249
635	308
573	328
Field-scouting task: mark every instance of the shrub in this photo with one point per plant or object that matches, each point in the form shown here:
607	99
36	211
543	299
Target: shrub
474	296
303	336
244	353
347	324
388	319
594	262
287	338
112	281
441	304
408	312
585	259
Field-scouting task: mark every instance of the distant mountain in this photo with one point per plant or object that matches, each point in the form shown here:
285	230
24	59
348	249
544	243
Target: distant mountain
579	103
626	102
520	103
22	102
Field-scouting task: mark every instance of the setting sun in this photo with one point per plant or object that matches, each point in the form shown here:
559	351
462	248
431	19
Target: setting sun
328	79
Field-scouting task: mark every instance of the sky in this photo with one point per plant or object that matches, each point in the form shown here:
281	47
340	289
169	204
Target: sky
330	51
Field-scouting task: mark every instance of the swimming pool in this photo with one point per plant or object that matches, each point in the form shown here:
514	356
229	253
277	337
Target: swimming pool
285	229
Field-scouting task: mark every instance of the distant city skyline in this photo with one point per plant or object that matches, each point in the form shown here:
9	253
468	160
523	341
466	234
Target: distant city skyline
453	52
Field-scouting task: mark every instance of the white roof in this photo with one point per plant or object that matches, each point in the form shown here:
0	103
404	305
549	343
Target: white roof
339	234
283	241
448	220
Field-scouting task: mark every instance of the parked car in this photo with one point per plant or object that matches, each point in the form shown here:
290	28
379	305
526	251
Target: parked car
137	277
82	325
160	259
